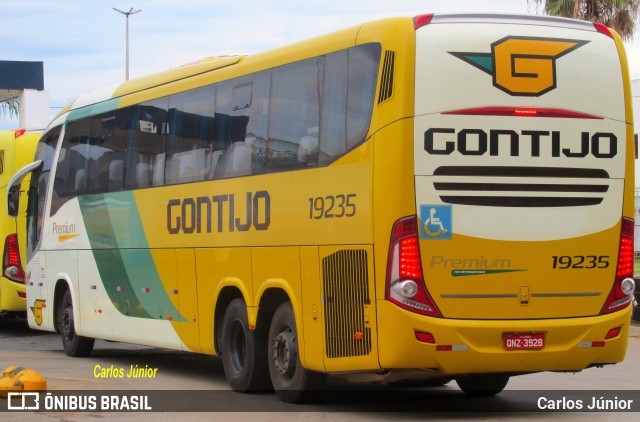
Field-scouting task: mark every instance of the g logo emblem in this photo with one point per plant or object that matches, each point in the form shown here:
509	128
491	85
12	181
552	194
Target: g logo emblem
522	66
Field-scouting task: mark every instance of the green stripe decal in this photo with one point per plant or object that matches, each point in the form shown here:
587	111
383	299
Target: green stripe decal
93	109
122	254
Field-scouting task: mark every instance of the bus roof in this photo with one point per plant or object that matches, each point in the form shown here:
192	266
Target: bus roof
298	51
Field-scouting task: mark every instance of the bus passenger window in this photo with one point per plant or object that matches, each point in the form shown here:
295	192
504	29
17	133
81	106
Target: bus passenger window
190	138
295	114
364	61
242	114
146	143
236	157
333	129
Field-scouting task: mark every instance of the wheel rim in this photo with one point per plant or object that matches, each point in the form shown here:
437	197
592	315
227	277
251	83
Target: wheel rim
237	346
285	354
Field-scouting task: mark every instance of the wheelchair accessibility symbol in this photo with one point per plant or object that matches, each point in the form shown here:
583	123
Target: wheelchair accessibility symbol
436	221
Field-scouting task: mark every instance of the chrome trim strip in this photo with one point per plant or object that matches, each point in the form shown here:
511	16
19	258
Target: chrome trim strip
578	294
513	19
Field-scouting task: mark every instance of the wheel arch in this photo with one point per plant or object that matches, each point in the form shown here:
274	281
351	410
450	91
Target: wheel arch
224	296
62	285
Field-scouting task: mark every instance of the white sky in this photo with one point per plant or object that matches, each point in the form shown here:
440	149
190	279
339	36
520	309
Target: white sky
82	43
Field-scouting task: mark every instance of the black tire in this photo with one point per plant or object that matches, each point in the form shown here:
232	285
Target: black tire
244	352
483	385
292	382
74	345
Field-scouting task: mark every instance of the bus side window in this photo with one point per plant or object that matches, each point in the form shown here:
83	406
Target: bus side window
295	113
146	143
72	168
333	129
236	157
364	61
38	187
190	135
241	125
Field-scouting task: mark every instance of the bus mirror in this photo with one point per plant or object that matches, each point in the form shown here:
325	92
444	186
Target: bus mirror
13	200
13	188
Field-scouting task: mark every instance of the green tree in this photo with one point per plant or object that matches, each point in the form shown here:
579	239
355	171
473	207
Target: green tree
9	108
621	15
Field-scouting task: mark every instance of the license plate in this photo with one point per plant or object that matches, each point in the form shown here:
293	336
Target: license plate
523	341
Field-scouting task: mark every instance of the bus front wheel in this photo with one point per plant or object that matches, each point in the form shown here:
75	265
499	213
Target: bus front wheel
243	351
483	385
74	345
292	382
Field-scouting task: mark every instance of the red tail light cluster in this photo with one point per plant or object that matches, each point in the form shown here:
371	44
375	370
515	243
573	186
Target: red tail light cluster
11	263
405	284
422	20
622	291
601	28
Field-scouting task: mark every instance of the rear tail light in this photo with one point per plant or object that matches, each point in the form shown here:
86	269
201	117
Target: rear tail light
405	284
422	20
19	133
601	28
11	263
622	291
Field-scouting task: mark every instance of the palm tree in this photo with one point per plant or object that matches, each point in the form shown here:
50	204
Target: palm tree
9	108
621	15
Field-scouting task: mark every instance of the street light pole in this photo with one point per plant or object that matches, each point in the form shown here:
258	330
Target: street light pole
130	12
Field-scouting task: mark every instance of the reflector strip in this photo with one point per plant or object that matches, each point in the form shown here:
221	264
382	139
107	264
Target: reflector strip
452	348
120	289
590	344
146	290
523	112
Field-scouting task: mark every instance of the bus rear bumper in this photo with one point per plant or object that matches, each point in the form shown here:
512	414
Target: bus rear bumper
477	346
12	296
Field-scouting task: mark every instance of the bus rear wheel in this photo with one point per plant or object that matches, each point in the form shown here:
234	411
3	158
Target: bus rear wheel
483	385
292	382
244	354
74	345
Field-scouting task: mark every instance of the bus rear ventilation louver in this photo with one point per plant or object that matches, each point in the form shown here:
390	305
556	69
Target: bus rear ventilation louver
345	294
524	194
386	80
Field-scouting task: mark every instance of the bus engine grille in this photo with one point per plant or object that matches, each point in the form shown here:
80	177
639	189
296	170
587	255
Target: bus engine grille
345	294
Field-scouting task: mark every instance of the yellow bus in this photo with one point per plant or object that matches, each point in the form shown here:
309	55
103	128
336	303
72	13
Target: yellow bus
445	196
16	149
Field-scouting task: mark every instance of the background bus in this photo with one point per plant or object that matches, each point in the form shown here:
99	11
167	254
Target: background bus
16	150
446	196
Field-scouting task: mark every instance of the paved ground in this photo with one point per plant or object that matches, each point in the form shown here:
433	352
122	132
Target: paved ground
202	378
